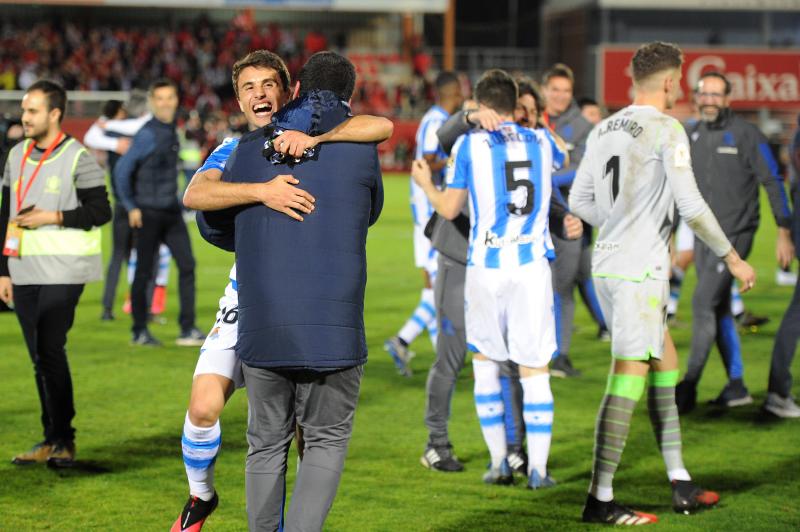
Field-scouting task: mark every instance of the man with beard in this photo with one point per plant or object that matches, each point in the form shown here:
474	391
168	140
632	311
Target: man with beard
729	157
50	223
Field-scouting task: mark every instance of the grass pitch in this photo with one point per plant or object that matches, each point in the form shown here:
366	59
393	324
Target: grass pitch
130	404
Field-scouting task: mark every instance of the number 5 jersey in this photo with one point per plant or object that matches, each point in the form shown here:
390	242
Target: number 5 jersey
508	175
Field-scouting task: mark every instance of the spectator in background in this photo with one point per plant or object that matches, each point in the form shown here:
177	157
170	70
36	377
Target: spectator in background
591	110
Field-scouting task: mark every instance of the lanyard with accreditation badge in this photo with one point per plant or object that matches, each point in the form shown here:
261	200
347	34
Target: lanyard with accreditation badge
14	232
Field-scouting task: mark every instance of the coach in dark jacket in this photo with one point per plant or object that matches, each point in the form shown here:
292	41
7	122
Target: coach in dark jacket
729	157
146	181
301	300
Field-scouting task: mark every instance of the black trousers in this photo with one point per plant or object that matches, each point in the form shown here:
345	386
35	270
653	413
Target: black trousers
122	240
163	226
46	313
712	320
780	376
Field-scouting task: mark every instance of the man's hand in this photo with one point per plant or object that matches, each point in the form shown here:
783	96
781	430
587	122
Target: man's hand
487	118
573	227
294	143
281	194
741	270
6	292
784	248
36	218
421	173
123	145
135	218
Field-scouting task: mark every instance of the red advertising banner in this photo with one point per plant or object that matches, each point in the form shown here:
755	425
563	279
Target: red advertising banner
759	78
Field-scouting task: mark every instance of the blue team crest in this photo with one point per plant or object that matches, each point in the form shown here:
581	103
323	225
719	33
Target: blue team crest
728	139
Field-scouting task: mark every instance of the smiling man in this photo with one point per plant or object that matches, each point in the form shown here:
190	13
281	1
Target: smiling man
261	83
146	178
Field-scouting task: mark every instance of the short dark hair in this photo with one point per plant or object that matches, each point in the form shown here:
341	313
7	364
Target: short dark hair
261	59
528	86
160	84
111	108
655	57
55	94
328	71
497	90
718	75
586	101
444	79
559	70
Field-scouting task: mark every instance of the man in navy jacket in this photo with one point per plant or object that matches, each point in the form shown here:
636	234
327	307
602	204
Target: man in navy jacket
301	298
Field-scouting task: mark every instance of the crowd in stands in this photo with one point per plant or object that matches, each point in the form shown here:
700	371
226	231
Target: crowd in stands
198	57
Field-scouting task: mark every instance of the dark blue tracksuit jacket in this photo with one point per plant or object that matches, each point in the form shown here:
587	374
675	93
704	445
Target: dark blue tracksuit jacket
301	284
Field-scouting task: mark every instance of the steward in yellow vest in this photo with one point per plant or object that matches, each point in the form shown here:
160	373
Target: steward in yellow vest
54	199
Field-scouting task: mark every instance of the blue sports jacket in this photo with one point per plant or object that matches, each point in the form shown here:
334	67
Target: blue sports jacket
301	284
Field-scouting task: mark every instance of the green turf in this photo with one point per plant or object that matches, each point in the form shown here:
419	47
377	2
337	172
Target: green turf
131	402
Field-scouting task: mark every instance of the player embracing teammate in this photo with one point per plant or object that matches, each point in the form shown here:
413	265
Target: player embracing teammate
506	175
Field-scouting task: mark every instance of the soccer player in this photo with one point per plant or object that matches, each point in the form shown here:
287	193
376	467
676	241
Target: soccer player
508	289
262	86
637	166
448	100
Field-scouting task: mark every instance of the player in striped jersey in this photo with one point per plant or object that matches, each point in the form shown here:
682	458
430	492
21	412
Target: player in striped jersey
261	83
636	168
448	100
508	292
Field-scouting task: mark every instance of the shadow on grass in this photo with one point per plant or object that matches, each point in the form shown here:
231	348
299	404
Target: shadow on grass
118	457
560	508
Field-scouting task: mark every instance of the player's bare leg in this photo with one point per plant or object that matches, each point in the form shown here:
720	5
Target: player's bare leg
200	442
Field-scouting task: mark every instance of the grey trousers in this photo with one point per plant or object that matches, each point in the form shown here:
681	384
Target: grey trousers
712	320
566	277
451	348
780	376
323	405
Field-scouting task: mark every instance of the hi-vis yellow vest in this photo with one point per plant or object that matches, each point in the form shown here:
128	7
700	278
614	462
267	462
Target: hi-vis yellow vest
52	254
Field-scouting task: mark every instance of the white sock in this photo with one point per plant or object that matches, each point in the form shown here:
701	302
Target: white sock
164	256
737	303
537	411
489	404
603	494
424	317
200	448
678	474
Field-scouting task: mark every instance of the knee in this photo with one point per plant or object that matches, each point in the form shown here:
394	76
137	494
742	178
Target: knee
205	411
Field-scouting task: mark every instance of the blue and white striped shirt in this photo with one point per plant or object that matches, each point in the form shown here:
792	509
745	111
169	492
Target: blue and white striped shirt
508	174
216	161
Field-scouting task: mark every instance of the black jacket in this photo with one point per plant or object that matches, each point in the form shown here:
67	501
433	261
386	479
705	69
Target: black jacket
147	175
729	157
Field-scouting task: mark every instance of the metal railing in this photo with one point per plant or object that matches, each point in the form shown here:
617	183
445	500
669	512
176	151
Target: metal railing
475	60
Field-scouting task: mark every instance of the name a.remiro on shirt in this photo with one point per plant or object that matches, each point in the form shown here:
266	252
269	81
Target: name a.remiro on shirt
621	124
